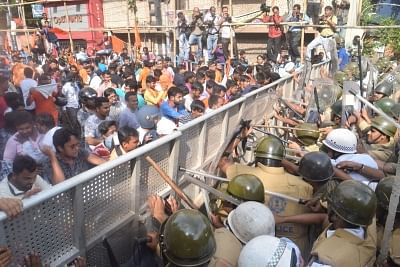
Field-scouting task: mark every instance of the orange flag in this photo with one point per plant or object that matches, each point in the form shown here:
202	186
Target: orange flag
138	41
117	44
57	31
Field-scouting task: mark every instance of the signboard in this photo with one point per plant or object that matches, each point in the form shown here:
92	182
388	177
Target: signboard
37	10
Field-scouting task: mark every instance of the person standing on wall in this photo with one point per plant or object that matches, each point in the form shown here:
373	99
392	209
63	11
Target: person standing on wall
275	32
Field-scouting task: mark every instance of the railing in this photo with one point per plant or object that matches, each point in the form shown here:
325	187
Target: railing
73	217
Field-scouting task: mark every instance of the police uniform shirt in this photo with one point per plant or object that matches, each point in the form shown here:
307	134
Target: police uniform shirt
227	251
346	247
275	179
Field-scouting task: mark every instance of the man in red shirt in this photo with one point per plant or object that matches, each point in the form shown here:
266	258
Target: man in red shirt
275	32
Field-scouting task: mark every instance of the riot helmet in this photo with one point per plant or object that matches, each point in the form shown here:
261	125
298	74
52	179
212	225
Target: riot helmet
383	192
187	238
307	133
270	147
251	219
246	187
316	167
354	202
384	126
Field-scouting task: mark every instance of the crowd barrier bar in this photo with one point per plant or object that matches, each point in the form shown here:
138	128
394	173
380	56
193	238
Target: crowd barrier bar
73	217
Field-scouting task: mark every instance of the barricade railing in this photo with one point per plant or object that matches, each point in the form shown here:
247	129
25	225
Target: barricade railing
73	217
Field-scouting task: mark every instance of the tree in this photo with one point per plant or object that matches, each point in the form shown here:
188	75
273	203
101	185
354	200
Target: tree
389	37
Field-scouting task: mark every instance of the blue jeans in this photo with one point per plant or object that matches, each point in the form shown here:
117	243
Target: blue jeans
196	40
183	48
212	40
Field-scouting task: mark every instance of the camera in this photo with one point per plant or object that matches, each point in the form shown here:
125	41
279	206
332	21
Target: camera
265	8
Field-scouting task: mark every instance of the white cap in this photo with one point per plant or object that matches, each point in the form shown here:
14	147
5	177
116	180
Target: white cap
165	126
264	251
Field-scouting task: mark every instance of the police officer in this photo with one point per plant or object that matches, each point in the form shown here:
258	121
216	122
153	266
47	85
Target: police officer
383	192
350	239
307	134
383	89
380	143
251	219
267	250
269	154
316	168
187	239
244	187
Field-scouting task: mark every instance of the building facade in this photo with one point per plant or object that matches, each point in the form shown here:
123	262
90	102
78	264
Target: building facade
84	19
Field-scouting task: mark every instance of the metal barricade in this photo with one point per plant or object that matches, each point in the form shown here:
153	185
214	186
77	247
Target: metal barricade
73	217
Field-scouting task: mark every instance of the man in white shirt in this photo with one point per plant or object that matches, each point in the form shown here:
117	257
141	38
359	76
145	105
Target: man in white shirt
26	85
23	182
227	32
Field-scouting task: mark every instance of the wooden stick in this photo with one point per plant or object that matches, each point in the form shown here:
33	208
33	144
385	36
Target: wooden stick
287	128
69	28
171	183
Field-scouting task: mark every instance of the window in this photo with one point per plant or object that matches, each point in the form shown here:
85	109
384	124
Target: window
55	9
78	8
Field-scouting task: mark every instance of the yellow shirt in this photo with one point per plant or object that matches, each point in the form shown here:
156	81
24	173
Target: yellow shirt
328	30
153	97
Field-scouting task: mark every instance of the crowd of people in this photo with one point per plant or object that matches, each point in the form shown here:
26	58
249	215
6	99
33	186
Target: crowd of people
61	116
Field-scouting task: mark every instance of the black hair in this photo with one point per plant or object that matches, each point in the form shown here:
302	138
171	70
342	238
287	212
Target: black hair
28	72
109	91
230	83
217	89
188	75
157	73
150	79
210	83
328	8
13	100
98	101
22	117
200	75
197	105
105	125
23	162
213	100
129	94
210	74
45	119
173	91
297	6
125	133
197	86
63	136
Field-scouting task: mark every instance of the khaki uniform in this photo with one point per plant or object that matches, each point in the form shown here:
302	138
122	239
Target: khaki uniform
343	249
394	248
275	179
381	151
228	249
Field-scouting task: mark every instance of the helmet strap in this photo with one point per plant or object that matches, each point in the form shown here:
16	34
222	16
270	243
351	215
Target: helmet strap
269	162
